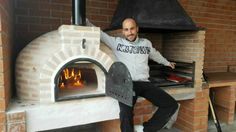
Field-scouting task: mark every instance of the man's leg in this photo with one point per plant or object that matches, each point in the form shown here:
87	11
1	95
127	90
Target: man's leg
166	104
126	116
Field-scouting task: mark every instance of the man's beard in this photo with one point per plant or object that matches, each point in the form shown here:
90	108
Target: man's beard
133	39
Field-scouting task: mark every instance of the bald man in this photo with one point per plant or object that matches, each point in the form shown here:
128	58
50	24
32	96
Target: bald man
134	52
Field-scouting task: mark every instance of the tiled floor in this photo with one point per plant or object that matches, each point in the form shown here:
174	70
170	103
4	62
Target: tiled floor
224	127
84	128
93	128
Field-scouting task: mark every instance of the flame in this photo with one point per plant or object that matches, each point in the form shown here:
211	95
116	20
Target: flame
70	78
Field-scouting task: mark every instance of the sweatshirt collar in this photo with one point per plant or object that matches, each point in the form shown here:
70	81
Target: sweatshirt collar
135	41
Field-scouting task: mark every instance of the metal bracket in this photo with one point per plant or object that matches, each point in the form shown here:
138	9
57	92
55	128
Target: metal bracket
83	43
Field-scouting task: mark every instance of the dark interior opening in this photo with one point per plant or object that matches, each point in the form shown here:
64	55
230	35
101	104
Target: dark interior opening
78	79
181	76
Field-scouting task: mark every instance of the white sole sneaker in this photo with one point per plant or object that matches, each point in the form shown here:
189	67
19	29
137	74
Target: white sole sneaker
173	118
138	128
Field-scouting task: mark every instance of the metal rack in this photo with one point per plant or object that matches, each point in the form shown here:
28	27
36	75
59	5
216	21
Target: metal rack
160	74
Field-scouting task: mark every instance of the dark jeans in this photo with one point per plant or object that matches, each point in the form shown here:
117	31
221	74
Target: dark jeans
166	104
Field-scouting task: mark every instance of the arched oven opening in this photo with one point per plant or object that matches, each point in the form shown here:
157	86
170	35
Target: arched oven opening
80	78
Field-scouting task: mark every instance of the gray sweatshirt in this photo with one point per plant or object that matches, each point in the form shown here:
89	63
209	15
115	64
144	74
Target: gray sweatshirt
134	55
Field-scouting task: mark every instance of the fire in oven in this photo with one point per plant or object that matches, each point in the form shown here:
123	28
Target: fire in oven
79	79
181	76
85	78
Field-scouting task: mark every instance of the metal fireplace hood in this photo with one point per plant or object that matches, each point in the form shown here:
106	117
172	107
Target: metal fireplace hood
152	15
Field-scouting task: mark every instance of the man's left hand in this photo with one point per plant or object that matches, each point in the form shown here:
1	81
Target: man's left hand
172	65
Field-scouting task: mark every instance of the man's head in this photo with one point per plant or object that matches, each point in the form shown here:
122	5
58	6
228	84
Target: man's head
130	29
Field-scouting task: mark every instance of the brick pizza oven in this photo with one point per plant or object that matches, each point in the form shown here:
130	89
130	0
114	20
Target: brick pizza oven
70	52
39	69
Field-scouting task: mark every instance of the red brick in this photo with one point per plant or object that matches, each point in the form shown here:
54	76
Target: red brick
138	119
3	127
16	117
64	8
143	102
39	13
110	126
16	127
97	4
2	94
2	117
21	11
61	1
146	117
49	21
28	20
39	28
61	14
27	4
193	114
2	105
143	110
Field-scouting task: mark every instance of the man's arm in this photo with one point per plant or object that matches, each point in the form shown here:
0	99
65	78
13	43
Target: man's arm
156	56
107	39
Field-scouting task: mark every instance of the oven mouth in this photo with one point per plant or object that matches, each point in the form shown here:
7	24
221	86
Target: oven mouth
77	79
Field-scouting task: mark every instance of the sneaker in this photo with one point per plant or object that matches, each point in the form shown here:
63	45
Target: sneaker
173	118
138	128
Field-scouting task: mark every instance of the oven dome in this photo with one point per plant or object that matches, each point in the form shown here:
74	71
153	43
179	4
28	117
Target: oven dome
39	62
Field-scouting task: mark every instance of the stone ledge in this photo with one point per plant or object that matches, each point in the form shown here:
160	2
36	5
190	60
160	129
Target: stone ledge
41	117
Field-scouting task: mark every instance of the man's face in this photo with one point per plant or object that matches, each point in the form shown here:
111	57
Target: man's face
130	29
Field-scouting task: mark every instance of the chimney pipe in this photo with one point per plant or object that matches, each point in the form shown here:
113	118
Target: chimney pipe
78	12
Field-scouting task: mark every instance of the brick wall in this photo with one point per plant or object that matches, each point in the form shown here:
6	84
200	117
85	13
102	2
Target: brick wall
186	47
35	17
193	114
218	17
5	59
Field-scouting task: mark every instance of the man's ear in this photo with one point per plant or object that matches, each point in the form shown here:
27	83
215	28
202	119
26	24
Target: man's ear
137	29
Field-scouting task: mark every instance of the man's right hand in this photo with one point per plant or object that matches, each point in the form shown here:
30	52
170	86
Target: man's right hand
172	65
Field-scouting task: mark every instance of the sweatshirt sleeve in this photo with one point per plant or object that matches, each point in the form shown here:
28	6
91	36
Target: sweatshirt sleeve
108	40
157	57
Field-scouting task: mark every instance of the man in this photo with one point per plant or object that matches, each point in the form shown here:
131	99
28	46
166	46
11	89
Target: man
134	52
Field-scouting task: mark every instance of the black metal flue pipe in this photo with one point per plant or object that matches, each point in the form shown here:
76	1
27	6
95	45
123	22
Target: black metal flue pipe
78	12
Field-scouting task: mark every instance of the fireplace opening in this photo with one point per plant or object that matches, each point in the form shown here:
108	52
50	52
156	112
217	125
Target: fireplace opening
182	76
80	78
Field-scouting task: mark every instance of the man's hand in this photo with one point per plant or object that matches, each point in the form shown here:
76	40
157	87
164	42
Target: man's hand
172	65
88	23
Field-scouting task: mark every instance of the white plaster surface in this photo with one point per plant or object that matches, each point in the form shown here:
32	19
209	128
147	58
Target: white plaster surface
67	113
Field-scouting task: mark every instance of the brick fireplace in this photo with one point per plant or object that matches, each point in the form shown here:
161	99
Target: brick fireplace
33	18
186	47
36	79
